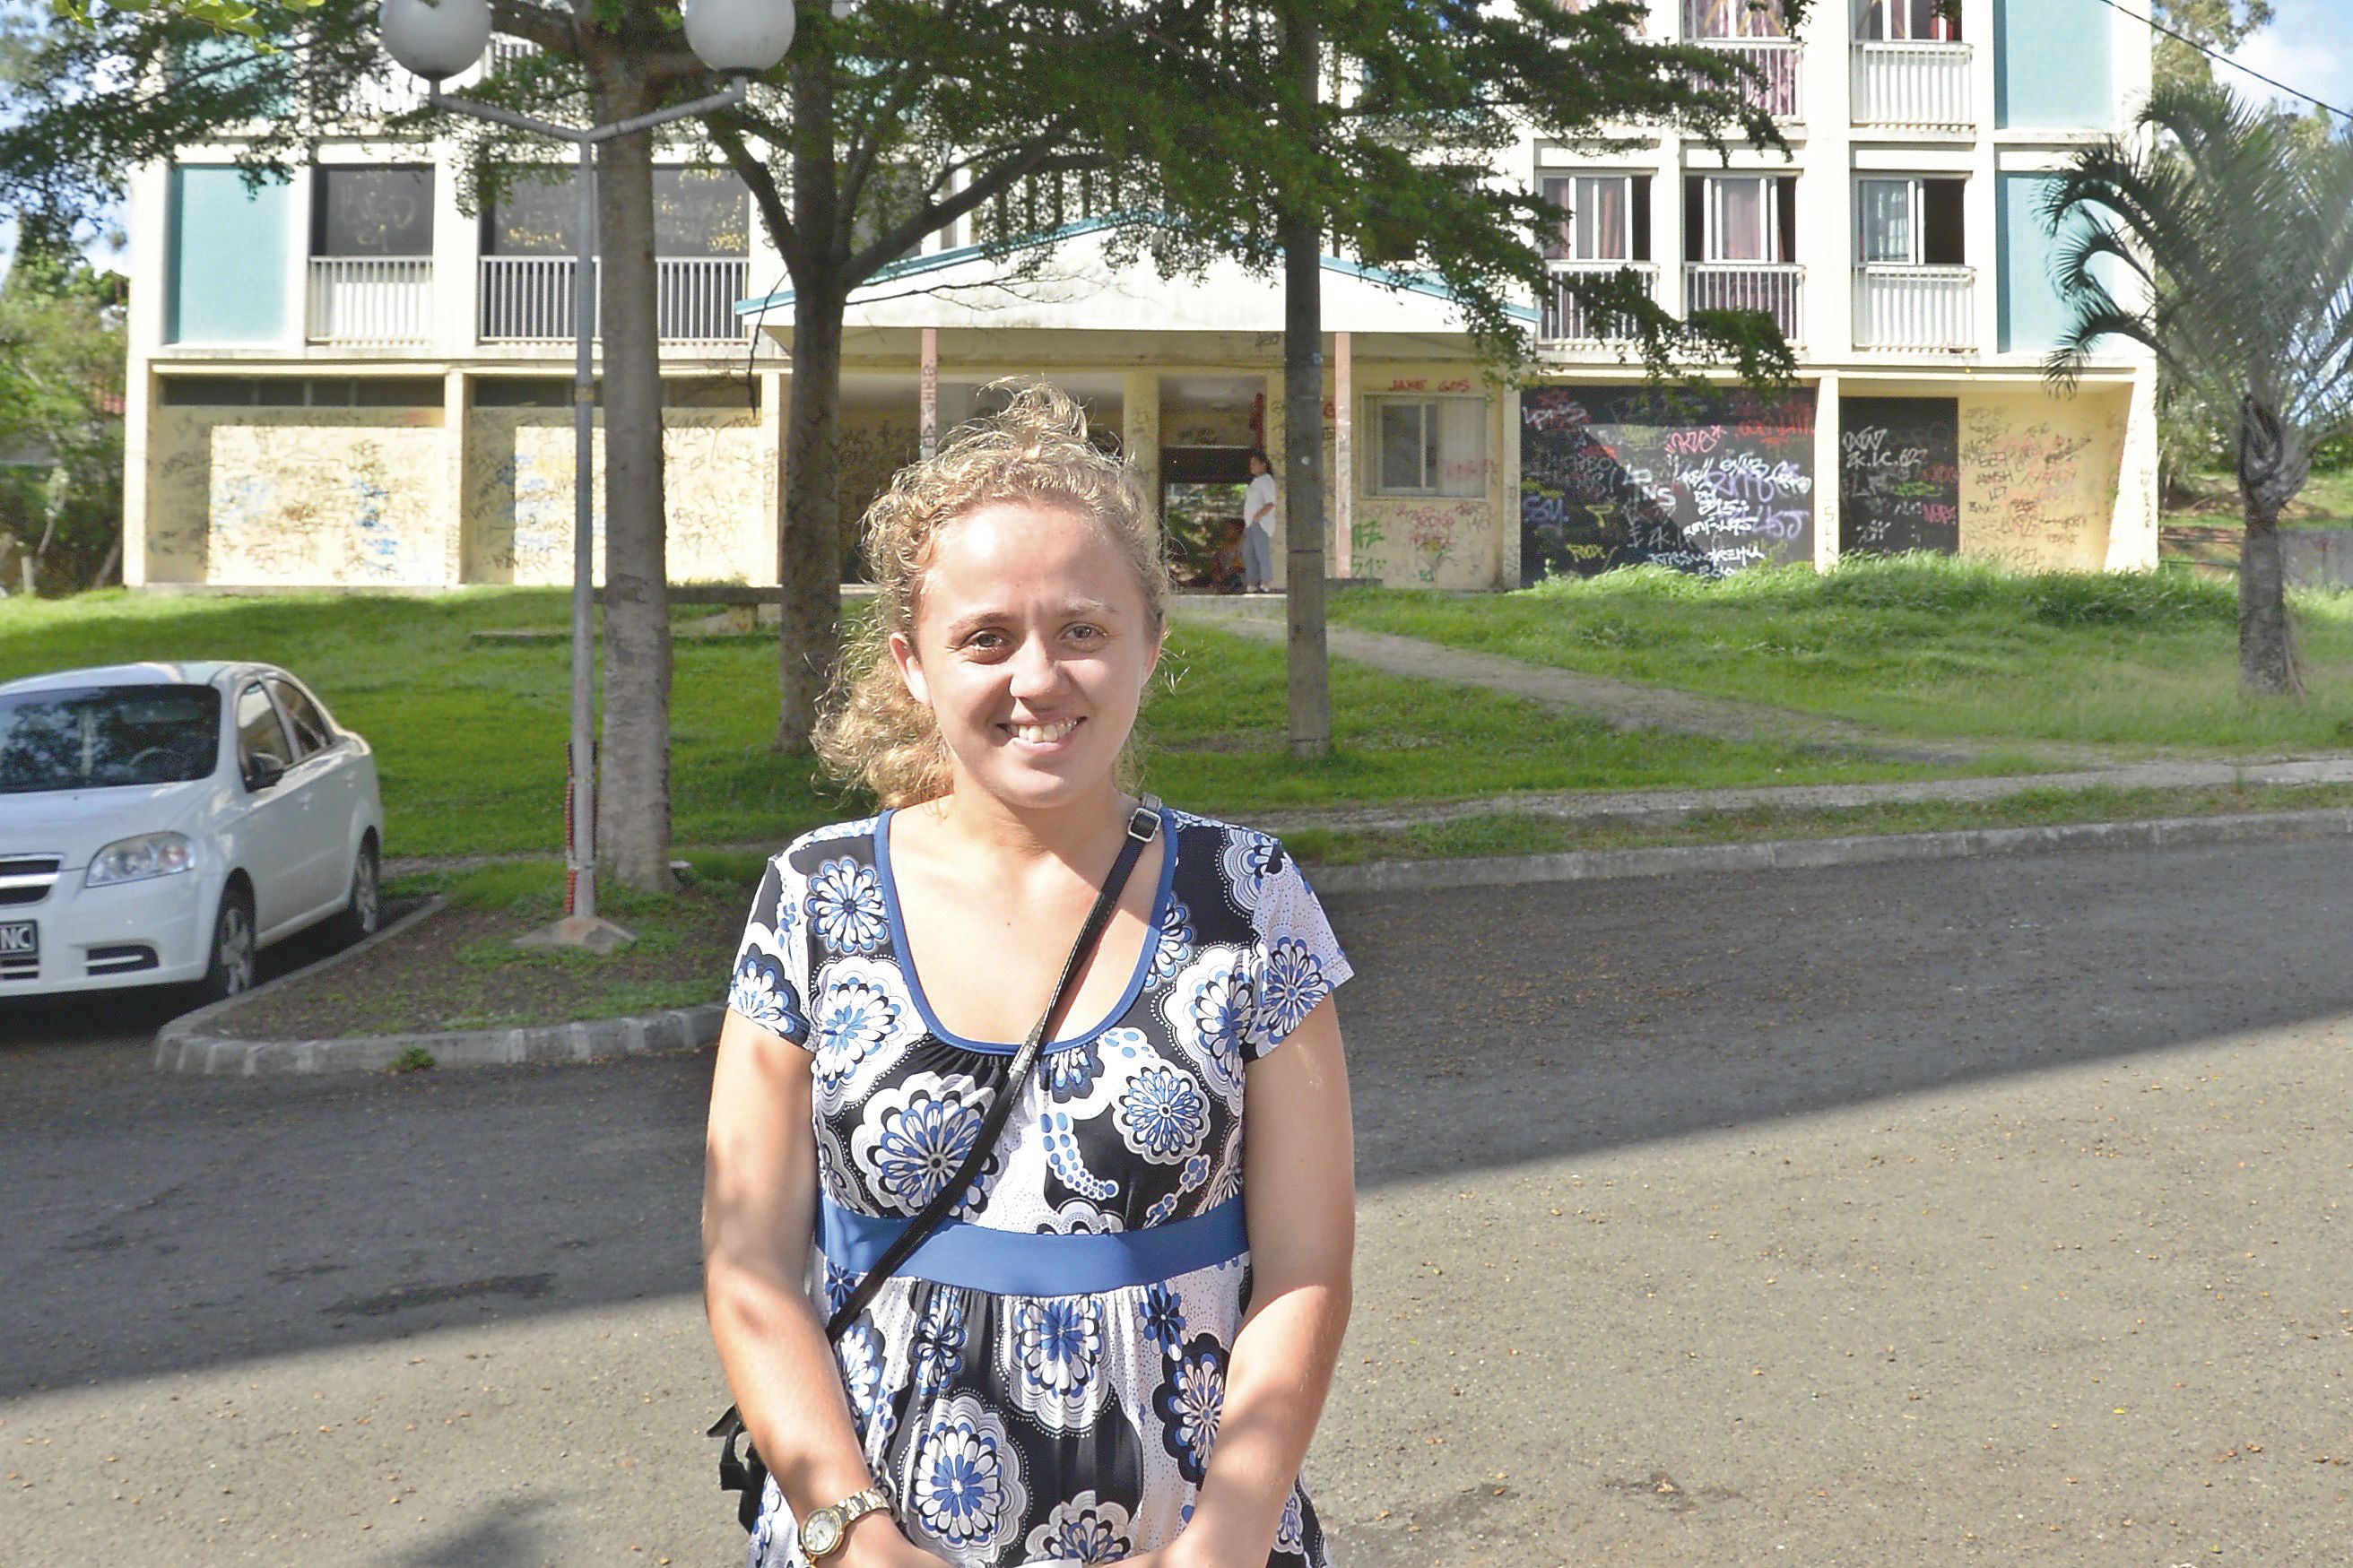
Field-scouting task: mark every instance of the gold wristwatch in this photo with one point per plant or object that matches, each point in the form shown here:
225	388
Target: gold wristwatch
824	1531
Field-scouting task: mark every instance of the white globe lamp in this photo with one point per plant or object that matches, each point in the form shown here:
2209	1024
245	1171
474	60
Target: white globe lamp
738	35
435	39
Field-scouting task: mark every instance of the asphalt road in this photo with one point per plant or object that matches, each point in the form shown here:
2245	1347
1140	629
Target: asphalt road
1981	1212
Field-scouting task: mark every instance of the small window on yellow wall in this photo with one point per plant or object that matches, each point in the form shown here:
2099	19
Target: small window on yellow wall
1427	447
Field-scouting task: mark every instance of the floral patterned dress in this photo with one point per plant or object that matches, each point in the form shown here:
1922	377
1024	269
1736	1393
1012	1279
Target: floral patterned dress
1041	1384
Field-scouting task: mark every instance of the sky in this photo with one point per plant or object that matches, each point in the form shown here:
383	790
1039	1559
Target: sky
2309	46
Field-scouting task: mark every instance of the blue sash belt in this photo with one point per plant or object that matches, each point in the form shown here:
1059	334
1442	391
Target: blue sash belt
1018	1263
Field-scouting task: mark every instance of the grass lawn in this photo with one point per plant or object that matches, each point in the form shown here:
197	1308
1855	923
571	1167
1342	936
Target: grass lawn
1921	646
469	736
1516	834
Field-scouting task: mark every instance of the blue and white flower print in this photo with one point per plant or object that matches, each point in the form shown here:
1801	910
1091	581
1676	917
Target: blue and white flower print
1172	949
839	1283
859	1353
865	1021
1162	1115
969	1494
1087	1528
1290	1531
1288	991
1058	1351
1068	1161
1226	1174
846	909
1071	1071
913	1138
763	992
1163	1312
939	1344
1208	1008
1191	1396
1249	859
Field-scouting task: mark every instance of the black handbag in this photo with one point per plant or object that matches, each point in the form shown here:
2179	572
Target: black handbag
745	1472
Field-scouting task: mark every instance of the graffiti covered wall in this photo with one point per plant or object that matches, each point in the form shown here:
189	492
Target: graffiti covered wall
1422	541
298	497
717	486
2040	477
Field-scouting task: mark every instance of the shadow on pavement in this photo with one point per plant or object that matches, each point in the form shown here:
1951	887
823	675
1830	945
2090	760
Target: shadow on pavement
162	1223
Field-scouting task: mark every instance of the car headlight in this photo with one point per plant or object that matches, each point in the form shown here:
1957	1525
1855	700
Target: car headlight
136	859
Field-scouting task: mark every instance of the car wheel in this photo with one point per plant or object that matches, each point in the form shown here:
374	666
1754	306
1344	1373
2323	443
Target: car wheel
230	972
365	909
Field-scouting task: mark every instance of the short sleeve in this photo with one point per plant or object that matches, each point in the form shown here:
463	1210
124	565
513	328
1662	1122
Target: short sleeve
771	963
1296	959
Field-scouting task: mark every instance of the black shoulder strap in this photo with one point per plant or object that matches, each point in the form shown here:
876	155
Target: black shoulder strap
1142	824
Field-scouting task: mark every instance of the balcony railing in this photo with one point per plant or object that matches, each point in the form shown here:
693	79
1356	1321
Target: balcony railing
528	299
1923	85
1915	308
1777	62
1567	320
1772	287
370	300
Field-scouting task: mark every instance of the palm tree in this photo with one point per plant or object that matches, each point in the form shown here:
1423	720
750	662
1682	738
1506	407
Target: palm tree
2234	228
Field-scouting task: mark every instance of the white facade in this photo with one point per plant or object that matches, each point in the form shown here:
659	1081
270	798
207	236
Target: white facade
299	414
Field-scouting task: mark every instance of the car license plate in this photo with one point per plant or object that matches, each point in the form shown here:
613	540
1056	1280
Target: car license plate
20	940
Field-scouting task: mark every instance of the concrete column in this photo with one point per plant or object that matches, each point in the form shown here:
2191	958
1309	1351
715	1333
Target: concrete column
927	392
149	263
1276	441
1344	449
2132	530
457	247
1826	471
1826	188
455	427
774	387
299	194
1139	431
1981	214
1507	485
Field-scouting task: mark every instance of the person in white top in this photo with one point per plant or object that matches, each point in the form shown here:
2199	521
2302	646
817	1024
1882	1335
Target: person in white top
1258	526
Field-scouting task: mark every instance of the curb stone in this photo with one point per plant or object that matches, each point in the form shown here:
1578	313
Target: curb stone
189	1044
1805	854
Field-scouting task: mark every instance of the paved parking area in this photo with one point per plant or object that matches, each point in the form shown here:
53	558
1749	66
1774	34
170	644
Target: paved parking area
1980	1212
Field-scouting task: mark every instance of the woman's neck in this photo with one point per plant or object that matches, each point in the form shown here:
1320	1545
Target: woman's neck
1072	833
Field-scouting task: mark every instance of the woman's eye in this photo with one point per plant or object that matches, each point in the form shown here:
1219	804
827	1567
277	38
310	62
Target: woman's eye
984	642
1084	633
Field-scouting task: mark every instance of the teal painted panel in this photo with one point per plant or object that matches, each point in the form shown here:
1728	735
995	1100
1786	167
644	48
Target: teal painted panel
2055	64
227	282
2032	313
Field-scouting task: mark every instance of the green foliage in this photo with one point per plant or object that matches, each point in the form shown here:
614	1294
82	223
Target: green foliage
416	1059
61	359
2219	25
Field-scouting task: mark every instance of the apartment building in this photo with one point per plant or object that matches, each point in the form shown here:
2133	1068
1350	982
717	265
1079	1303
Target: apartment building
344	380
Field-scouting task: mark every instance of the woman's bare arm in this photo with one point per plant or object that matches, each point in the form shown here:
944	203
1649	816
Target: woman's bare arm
759	1211
1299	1191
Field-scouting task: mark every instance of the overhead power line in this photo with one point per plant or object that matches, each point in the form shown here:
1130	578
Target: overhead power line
2211	53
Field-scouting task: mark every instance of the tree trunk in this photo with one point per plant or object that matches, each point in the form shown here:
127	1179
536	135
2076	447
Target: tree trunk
809	539
633	817
1302	433
2271	471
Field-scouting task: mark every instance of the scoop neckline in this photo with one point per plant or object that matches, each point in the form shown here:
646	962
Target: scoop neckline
903	952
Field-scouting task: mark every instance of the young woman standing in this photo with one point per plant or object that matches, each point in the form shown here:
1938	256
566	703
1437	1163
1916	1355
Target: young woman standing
1117	1347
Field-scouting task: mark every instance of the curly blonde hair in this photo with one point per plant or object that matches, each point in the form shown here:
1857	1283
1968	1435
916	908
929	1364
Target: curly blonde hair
872	730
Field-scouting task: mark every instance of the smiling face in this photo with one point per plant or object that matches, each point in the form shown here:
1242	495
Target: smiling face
1031	644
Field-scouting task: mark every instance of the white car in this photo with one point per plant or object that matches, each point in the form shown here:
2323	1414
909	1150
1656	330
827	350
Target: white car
163	822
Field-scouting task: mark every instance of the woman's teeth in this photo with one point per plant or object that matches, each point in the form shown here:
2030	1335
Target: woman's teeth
1039	734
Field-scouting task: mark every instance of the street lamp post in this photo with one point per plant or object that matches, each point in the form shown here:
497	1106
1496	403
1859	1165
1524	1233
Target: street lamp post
437	39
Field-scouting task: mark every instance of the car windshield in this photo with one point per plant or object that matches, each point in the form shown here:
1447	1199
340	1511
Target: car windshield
101	736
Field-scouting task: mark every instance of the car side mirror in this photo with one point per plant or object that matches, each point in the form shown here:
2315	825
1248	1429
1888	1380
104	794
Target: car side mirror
263	772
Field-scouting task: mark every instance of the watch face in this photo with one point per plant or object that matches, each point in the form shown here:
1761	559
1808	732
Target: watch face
821	1532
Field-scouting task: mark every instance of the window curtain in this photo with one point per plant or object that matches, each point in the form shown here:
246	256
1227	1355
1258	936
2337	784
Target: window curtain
1601	218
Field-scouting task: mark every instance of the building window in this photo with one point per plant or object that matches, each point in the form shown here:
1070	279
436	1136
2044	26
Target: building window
698	212
1905	221
1910	21
1608	217
1733	19
1429	446
1741	219
372	209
